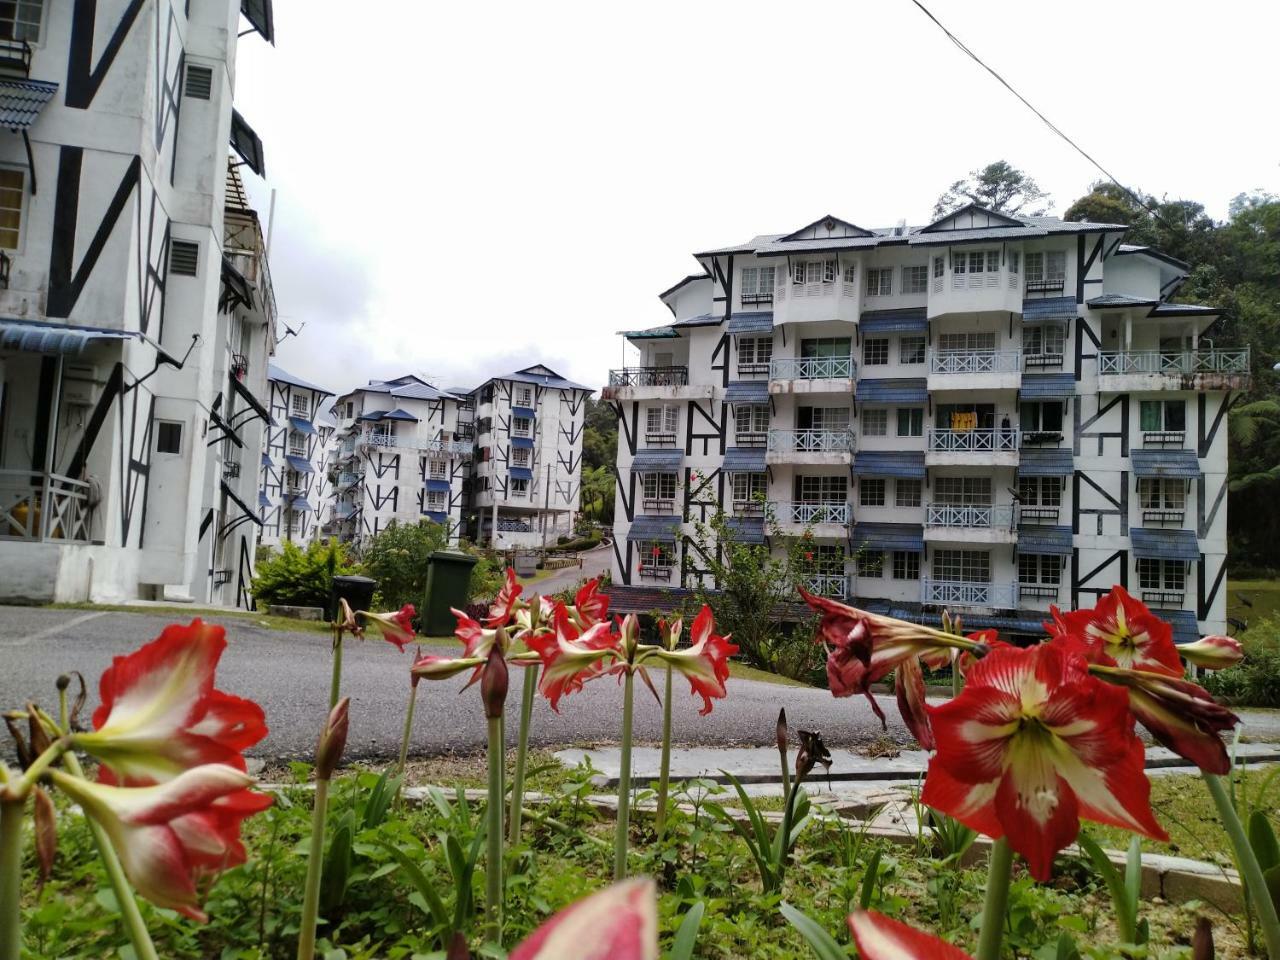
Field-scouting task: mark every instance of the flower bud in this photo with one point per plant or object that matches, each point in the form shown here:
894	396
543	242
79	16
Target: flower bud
46	831
333	740
1213	653
782	731
493	684
630	633
812	751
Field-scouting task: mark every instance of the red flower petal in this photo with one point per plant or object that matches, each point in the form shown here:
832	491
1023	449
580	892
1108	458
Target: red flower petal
879	938
617	923
909	688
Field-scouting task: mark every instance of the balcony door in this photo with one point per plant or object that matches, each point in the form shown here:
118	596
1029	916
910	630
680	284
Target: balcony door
961	566
816	347
966	416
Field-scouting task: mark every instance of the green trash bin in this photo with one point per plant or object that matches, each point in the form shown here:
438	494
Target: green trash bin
448	585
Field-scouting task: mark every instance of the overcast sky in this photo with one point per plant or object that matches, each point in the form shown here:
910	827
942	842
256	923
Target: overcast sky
464	189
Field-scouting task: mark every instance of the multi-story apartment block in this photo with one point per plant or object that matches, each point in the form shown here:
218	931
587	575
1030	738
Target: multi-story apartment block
527	480
989	414
137	303
293	479
402	454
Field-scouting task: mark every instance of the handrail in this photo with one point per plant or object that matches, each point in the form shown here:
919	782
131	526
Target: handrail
974	441
812	441
828	585
649	377
812	368
790	511
1235	360
970	515
961	593
980	361
378	439
44	506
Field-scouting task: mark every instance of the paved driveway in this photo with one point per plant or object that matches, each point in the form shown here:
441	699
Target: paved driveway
288	673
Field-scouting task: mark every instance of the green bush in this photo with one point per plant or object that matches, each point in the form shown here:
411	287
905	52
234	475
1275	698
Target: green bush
300	578
397	558
487	575
1254	682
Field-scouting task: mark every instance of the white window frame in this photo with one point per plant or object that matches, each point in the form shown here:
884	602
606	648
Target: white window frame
1160	575
521	431
519	487
437	502
879	282
520	456
915	421
915	278
300	405
437	470
25	6
961	566
747	487
297	444
875	422
871	492
912	350
906	565
755	351
750	418
524	397
182	430
1039	570
658	486
22	207
870	360
907	492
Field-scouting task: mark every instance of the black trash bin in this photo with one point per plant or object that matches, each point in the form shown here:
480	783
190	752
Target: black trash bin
357	591
448	585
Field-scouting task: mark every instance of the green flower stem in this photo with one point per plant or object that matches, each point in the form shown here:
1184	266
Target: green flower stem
335	683
623	835
784	831
408	730
1254	882
999	873
664	770
11	815
956	682
522	752
134	925
315	866
493	837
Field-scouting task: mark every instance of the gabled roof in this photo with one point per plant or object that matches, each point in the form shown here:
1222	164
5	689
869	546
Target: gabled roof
1128	249
834	227
542	376
956	220
676	286
280	375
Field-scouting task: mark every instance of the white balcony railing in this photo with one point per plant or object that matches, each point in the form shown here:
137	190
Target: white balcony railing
43	506
788	511
828	585
986	361
971	515
451	447
1177	363
811	441
974	441
960	593
374	439
812	368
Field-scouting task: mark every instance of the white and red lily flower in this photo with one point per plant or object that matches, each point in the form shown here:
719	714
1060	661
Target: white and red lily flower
396	627
504	603
1213	653
570	657
705	664
617	923
1121	631
590	606
1033	743
432	667
879	938
170	835
160	713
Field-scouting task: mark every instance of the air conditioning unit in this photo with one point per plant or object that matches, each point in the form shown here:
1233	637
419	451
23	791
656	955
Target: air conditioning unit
80	384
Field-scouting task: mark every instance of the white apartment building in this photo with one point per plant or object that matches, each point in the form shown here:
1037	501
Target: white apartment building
989	414
293	478
136	302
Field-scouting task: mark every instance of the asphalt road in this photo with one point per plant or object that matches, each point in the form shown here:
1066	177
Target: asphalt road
288	673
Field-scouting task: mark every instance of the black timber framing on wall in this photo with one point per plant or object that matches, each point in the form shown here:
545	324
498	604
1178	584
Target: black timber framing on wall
84	77
1120	504
1081	425
623	560
1083	330
1206	592
1080	584
713	431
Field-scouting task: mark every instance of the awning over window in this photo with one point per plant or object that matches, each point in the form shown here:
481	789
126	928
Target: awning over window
520	473
1022	622
1152	544
22	100
32	337
751	323
905	464
437	486
1165	463
909	320
908	390
400	414
657	461
664	529
1048	386
299	504
1049	308
302	426
1051	540
1045	462
747	391
744	460
522	442
437	516
746	529
261	17
522	412
247	144
267	461
301	464
1186	629
888	536
263	500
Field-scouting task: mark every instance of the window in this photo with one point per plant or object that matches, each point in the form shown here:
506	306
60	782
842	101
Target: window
1014	256
915	279
750	419
757	284
1163	416
967	342
524	397
1163	576
20	20
748	486
519	487
821	489
962	566
436	469
823	418
1156	493
297	444
662	421
875	422
815	271
301	406
12	192
875	351
938	264
754	354
658	486
168	436
199	85
850	278
906	565
911	350
1041	340
1039	492
436	501
520	456
911	421
871	492
1039	568
879	281
1048	267
962	491
906	492
1043	417
656	558
521	426
184	258
870	563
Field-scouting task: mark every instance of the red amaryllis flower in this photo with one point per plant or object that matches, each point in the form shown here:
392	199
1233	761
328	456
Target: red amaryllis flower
160	714
879	938
504	603
618	923
395	627
706	661
1122	632
171	834
1033	743
590	605
1213	653
570	657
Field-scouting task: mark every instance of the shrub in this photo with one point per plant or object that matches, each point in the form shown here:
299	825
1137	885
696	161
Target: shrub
486	576
397	558
1254	682
301	578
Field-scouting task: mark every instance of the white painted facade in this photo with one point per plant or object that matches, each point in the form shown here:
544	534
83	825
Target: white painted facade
293	476
131	349
987	414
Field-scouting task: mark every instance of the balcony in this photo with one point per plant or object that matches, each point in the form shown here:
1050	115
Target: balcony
961	593
987	291
452	448
1164	599
983	370
373	439
1037	513
44	507
834	585
816	302
828	520
1044	592
650	383
655	571
812	374
972	523
344	511
960	447
1123	371
810	446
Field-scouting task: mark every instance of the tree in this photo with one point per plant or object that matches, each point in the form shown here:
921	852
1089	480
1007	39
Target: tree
599	460
598	490
998	186
397	558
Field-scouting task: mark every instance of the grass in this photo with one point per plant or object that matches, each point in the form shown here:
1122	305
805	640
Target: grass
743	672
1263	597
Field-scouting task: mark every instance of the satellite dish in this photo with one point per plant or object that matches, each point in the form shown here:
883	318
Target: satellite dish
1017	498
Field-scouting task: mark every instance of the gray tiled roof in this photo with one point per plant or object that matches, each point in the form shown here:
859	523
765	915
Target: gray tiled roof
1049	308
946	237
1165	463
746	529
663	459
702	320
1157	544
280	375
549	379
1185	627
1047	386
906	390
907	464
1045	462
22	100
907	320
1176	309
889	536
760	322
747	391
1051	540
743	460
654	528
1114	300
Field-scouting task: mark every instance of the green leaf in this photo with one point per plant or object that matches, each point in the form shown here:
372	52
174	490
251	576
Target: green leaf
824	946
757	821
764	867
687	935
1272	877
1125	919
379	800
869	881
423	886
337	865
1133	873
1263	840
1067	949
